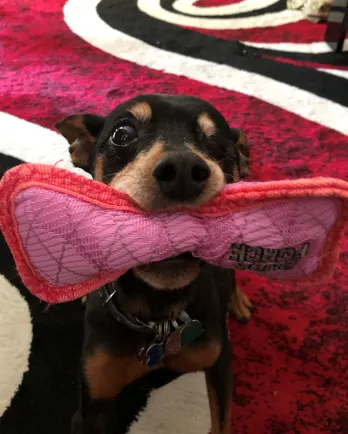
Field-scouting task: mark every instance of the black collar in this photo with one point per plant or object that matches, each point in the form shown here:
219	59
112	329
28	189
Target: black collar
108	294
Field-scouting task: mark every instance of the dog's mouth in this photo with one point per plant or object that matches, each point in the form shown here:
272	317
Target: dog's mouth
171	273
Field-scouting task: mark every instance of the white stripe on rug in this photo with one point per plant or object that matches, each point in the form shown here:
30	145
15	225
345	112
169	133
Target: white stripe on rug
90	27
338	72
177	408
189	7
40	145
154	9
15	341
297	47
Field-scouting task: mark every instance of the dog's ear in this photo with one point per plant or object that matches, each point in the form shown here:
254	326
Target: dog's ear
242	144
81	131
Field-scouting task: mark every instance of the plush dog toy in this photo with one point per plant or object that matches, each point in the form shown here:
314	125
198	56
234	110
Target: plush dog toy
70	235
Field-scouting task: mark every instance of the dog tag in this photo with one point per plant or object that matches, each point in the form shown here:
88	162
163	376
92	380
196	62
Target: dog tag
154	354
189	332
155	351
183	335
173	343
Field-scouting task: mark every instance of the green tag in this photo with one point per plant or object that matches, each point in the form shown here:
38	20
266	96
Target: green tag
190	331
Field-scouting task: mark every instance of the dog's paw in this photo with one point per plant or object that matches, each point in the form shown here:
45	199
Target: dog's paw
241	307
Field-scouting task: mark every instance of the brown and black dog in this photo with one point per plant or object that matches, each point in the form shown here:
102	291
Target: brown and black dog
164	152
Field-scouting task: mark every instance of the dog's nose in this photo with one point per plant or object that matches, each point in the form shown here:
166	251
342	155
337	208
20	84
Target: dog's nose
182	176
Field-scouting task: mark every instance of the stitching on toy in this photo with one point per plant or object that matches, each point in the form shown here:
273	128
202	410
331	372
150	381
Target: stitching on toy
62	253
125	247
108	252
18	249
167	232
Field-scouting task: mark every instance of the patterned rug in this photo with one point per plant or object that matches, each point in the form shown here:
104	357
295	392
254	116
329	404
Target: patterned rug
269	71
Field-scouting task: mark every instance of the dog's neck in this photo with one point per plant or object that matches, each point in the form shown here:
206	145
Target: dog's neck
148	304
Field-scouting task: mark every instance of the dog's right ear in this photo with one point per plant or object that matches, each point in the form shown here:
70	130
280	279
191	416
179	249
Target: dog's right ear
81	131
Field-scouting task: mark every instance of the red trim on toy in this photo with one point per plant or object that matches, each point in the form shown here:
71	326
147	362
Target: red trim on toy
248	196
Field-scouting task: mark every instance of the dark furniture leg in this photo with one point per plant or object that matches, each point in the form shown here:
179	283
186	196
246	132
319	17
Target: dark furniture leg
335	31
343	31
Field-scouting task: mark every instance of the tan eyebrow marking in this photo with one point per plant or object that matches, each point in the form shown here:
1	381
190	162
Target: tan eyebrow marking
142	111
98	171
206	124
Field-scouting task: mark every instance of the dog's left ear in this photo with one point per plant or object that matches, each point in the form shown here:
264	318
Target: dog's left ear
242	144
81	131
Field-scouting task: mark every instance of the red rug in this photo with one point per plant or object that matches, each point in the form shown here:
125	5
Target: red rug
270	73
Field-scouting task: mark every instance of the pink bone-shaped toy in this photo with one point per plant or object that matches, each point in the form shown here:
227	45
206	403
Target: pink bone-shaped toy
70	235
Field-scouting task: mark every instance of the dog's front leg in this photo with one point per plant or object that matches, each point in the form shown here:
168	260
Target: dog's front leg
104	376
219	385
215	359
92	419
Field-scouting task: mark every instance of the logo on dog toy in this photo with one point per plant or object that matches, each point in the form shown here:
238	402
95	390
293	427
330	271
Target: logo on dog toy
262	259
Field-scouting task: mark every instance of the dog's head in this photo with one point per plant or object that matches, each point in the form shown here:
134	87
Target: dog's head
165	152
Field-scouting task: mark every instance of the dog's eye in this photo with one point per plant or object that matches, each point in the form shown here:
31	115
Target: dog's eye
123	135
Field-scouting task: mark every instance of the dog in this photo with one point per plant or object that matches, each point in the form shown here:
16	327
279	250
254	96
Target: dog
165	152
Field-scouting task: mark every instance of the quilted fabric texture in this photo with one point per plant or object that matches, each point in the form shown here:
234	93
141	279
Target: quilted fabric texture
69	235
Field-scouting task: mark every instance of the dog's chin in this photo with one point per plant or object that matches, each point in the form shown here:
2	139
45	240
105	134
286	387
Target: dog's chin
170	274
